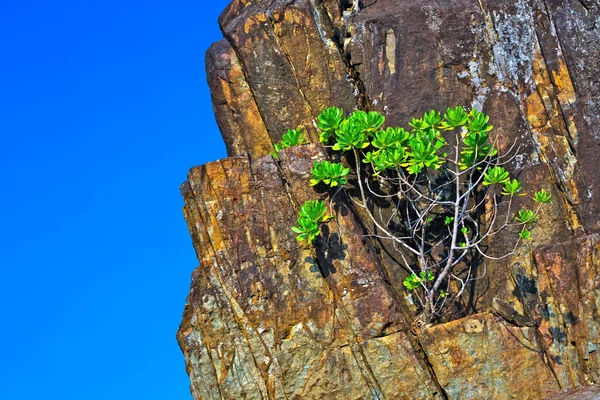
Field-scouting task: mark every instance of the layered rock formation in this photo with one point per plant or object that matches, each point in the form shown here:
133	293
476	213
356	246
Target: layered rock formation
269	318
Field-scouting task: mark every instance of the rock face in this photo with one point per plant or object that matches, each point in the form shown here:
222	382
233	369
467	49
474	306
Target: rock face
268	318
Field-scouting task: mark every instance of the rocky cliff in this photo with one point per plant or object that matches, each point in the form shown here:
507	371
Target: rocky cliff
268	318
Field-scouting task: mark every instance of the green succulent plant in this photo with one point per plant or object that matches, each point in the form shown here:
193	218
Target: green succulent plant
525	234
478	122
332	174
312	213
385	159
413	281
368	122
495	175
431	119
454	117
512	187
390	138
423	154
476	148
411	171
417	124
306	229
350	136
293	137
542	197
328	122
526	216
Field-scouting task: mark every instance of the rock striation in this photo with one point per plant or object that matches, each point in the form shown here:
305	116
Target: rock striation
268	318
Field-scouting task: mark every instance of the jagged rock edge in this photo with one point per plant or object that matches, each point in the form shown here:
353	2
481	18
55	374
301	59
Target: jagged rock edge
250	88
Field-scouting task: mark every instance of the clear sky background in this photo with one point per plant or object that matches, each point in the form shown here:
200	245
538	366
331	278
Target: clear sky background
104	107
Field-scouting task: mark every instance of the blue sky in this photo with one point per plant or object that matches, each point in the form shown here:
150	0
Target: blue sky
103	108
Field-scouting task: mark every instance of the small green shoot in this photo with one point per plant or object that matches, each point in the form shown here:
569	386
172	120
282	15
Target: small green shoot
526	216
312	214
512	188
542	197
413	281
495	175
525	234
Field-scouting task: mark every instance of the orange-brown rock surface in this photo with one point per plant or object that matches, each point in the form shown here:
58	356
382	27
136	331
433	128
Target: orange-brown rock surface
269	318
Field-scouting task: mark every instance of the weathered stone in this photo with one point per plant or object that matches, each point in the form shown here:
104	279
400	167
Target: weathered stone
270	318
291	62
569	286
509	58
483	357
239	120
591	392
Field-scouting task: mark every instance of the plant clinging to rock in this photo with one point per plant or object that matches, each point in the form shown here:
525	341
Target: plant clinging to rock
332	174
328	122
449	194
311	215
292	137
